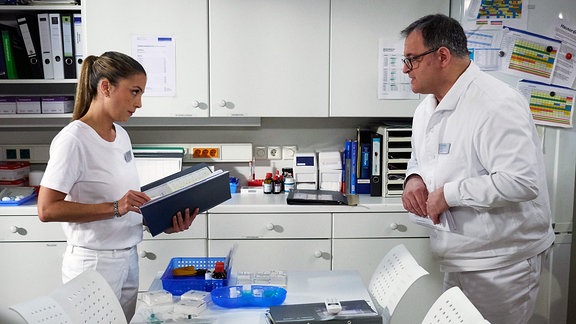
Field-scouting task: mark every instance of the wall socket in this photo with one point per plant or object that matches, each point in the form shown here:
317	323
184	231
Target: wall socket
288	151
274	153
260	153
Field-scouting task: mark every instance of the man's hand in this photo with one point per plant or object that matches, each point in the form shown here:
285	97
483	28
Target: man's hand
436	205
415	195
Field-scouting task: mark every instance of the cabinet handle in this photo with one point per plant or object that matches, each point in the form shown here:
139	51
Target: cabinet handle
270	226
222	103
394	226
14	229
317	254
143	254
195	104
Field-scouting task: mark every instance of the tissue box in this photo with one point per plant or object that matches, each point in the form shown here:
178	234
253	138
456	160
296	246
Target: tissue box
57	105
28	105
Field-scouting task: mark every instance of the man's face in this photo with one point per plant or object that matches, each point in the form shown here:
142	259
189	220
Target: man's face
423	70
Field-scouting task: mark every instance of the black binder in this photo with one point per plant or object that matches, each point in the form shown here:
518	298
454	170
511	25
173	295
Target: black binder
68	47
203	194
376	166
353	312
28	28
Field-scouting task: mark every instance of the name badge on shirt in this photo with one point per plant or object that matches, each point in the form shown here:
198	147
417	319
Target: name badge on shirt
128	156
443	148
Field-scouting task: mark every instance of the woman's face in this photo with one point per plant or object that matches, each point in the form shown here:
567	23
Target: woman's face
126	96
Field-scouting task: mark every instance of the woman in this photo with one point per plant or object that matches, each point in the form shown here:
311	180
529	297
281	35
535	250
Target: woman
91	183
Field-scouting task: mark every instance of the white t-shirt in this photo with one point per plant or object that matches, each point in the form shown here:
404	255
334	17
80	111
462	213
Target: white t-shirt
480	144
91	170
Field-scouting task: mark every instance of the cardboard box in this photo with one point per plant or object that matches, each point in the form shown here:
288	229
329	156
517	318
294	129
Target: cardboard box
7	105
57	105
28	105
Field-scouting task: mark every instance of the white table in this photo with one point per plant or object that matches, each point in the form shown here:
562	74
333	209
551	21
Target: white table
302	287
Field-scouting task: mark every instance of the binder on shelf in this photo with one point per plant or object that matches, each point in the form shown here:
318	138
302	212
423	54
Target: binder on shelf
68	47
3	71
376	168
353	312
194	187
29	33
354	167
78	46
56	41
45	45
347	164
364	138
11	71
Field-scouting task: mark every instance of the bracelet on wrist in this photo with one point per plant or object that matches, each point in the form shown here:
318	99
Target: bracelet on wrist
116	210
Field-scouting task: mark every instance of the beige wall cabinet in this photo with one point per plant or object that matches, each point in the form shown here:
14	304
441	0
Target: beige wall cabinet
112	25
269	58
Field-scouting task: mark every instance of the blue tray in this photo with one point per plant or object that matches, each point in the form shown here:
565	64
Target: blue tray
16	191
257	296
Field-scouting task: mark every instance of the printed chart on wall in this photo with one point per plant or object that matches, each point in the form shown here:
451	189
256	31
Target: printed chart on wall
392	82
529	55
550	105
481	14
158	56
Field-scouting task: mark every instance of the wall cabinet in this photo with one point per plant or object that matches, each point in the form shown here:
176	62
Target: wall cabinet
112	26
356	28
269	58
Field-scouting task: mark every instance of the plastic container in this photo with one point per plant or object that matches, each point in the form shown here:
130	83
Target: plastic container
239	296
14	170
179	285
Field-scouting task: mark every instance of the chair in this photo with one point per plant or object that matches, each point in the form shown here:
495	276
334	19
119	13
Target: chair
397	271
85	299
453	307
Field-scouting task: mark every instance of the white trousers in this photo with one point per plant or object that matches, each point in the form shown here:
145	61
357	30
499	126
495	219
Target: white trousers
118	267
505	295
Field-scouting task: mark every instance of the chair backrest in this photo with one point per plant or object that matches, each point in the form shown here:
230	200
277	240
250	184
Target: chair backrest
397	271
453	307
85	299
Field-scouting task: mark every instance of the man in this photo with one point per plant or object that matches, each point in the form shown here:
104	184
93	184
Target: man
476	154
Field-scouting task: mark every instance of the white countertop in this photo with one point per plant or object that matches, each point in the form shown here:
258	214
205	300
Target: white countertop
261	203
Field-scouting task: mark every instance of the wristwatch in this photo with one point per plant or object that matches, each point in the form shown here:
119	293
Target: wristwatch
116	211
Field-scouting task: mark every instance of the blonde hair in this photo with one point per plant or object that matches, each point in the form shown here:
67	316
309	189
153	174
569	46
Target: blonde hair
113	66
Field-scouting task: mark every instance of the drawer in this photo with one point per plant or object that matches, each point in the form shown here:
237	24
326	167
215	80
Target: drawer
199	229
269	226
29	228
360	225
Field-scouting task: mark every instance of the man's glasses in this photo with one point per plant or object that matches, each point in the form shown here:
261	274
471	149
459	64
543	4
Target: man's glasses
408	60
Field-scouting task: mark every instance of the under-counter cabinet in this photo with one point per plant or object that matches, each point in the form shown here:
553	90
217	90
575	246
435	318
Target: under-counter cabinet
269	58
356	28
31	254
156	252
113	25
283	241
361	240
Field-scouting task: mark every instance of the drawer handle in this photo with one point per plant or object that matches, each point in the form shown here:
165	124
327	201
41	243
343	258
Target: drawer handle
143	254
195	104
318	254
222	103
270	226
394	226
14	229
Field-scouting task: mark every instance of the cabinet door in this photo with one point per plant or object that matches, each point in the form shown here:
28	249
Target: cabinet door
269	58
111	25
265	255
364	255
155	255
356	27
30	270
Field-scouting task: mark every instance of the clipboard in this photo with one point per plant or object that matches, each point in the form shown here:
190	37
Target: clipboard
316	197
194	187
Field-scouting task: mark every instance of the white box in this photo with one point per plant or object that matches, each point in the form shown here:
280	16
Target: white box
7	105
28	105
57	105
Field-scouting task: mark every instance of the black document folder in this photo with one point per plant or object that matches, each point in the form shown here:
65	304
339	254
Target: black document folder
194	187
315	197
353	312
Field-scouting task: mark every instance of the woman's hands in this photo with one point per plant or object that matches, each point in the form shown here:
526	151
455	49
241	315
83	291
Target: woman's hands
180	223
